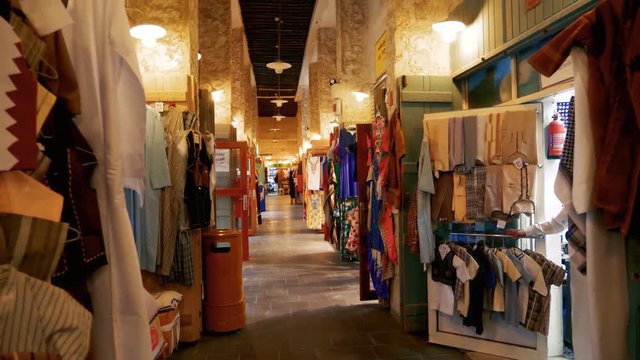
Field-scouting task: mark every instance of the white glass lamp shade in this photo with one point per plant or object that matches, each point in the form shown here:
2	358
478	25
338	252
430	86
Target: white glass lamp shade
448	29
278	117
279	102
279	66
360	96
148	33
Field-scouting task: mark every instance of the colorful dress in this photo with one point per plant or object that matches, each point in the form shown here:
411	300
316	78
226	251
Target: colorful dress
345	208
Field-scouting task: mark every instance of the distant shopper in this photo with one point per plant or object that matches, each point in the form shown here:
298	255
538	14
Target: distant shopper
292	187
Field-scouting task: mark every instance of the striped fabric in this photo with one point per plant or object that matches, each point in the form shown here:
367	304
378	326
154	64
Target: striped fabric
29	356
25	239
36	316
172	200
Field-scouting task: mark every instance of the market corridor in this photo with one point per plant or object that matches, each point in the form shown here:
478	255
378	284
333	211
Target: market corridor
302	303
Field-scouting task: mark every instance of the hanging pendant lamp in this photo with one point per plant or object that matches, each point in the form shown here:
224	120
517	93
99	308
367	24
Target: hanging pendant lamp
279	66
278	100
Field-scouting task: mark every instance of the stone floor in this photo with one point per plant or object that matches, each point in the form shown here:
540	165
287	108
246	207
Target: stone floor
302	303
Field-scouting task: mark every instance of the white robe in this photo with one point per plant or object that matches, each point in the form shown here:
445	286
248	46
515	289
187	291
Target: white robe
113	122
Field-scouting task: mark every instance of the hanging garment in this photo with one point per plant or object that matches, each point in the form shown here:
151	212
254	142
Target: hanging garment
493	190
172	199
426	189
377	254
476	290
462	290
519	138
537	285
412	238
36	316
113	122
182	267
18	91
516	313
608	33
517	184
345	208
456	143
493	142
387	232
314	171
459	197
498	292
438	135
347	159
481	139
396	153
70	174
32	245
196	189
510	287
470	128
145	214
315	213
441	295
442	199
539	307
353	241
475	185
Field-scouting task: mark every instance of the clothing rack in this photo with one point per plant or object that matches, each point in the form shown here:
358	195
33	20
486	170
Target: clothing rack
496	235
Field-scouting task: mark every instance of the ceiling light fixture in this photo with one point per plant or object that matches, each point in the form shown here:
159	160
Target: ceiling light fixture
148	34
279	66
360	96
278	100
278	116
448	29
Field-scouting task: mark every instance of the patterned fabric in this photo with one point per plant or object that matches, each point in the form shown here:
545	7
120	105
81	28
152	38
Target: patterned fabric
566	163
458	289
376	246
37	316
29	356
412	225
579	242
345	208
354	234
538	308
315	212
475	189
182	269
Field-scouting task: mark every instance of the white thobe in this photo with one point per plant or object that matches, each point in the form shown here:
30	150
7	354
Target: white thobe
113	122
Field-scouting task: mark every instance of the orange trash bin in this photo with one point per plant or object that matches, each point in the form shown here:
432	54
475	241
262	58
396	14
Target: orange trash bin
224	296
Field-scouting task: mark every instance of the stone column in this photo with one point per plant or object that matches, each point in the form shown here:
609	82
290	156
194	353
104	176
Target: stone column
327	69
351	43
314	102
214	24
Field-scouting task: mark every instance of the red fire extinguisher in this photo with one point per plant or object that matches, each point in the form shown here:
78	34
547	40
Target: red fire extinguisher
555	138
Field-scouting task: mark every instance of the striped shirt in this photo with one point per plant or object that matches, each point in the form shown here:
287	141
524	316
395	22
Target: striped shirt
36	316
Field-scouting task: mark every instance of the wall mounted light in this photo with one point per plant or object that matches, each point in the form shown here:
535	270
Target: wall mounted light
449	29
216	95
199	56
148	34
360	96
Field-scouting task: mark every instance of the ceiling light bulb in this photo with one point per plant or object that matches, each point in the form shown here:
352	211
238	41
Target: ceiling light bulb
278	117
279	102
360	96
279	66
448	29
217	95
199	56
148	33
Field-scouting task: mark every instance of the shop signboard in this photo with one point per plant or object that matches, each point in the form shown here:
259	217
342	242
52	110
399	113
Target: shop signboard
381	55
222	160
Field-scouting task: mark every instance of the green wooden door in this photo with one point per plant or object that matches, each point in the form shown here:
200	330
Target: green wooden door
417	95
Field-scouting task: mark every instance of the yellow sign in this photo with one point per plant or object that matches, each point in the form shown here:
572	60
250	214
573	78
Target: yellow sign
381	55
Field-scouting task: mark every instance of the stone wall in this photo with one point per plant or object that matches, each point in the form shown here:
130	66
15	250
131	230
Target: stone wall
351	42
314	98
214	26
